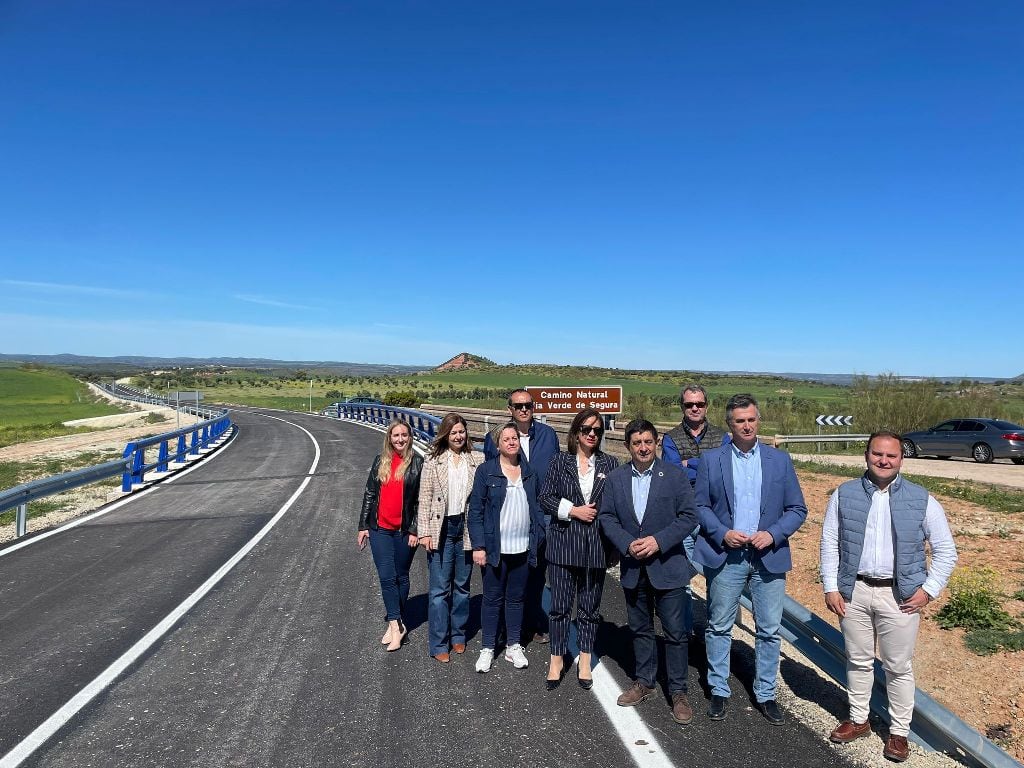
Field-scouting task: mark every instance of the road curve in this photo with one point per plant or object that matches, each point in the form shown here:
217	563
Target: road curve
280	664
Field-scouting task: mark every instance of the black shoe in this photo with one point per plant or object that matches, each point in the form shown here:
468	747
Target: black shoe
552	684
716	709
771	711
541	637
585	684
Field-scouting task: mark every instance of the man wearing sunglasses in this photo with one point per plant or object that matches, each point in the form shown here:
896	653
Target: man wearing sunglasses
538	443
682	446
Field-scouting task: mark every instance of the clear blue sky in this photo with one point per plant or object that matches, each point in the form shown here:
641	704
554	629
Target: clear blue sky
795	186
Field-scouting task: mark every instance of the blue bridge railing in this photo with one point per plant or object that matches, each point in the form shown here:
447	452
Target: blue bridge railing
423	425
132	466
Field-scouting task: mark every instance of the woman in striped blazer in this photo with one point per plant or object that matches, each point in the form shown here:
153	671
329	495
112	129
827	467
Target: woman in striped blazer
445	484
576	553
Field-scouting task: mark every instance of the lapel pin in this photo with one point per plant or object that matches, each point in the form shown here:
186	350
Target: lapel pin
661	474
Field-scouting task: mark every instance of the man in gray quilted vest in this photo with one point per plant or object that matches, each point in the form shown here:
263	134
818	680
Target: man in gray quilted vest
877	580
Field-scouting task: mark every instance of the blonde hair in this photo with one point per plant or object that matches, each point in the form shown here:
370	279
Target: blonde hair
388	451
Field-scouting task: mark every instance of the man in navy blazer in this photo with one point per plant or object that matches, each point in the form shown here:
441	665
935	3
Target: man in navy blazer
750	503
646	512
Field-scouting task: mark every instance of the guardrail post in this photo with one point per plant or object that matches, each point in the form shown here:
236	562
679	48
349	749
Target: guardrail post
194	448
21	521
206	435
138	461
179	457
161	459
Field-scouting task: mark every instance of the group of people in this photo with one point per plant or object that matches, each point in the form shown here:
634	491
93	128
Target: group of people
716	502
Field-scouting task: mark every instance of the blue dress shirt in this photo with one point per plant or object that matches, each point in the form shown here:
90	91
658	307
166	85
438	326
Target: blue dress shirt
641	490
746	484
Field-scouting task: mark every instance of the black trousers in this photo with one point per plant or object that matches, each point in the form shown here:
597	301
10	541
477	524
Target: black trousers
582	586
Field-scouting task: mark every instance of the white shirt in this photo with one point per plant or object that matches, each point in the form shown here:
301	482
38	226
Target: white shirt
877	556
515	520
524	443
458	484
586	485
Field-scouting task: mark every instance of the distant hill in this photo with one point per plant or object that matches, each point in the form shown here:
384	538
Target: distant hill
462	361
148	363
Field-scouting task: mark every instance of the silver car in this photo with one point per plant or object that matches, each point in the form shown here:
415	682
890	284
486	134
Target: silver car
982	439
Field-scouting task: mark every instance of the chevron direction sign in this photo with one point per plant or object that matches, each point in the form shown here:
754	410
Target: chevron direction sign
834	421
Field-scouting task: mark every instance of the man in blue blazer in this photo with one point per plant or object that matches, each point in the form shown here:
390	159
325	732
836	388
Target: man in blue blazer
750	503
646	512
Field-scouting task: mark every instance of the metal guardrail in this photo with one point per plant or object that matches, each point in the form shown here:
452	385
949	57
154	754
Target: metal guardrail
132	466
780	439
423	425
934	727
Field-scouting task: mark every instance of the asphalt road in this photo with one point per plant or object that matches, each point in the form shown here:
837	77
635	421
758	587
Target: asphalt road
280	663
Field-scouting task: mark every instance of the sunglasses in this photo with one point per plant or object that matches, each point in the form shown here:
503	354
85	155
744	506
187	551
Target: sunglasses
522	406
695	405
592	431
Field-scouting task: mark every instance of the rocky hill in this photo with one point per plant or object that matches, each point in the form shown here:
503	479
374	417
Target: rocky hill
462	361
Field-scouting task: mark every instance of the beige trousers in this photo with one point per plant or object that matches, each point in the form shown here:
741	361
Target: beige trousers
873	615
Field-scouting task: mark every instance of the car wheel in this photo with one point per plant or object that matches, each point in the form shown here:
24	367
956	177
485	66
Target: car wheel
1018	459
909	449
982	453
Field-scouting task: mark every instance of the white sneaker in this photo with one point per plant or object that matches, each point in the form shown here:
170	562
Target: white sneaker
516	655
483	664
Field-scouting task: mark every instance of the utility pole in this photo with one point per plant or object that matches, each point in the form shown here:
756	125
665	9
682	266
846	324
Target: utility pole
310	395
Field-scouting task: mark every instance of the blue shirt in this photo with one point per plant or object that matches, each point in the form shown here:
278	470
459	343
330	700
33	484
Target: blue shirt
641	490
746	485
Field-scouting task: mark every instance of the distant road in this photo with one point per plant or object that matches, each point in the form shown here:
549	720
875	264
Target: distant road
999	472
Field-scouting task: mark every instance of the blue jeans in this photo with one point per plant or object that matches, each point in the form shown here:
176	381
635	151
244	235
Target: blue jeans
641	603
393	556
742	568
504	587
451	569
688	544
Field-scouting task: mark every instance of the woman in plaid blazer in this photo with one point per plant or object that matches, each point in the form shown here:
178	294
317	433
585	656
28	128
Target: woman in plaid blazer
445	485
576	552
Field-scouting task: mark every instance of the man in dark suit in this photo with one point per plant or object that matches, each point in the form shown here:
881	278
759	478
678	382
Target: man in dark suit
750	503
646	512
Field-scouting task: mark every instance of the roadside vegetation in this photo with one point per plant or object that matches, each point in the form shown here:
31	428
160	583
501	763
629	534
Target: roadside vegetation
976	605
35	400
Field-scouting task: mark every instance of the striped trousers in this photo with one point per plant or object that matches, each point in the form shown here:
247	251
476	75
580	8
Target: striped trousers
569	584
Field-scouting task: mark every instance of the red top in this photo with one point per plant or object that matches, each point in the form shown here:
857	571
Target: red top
389	509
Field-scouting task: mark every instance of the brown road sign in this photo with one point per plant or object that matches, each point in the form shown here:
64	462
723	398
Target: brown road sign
571	400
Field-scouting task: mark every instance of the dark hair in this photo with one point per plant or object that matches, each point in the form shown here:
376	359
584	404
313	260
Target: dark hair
884	433
692	388
740	401
514	391
444	429
640	425
572	441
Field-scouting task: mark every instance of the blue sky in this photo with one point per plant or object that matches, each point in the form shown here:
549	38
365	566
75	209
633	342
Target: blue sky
793	186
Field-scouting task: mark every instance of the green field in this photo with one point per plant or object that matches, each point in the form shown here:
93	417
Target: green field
34	402
788	406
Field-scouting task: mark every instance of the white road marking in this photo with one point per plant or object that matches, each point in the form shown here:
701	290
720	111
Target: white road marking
57	720
120	503
636	737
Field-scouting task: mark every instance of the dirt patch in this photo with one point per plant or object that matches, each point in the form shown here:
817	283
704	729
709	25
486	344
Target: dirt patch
985	691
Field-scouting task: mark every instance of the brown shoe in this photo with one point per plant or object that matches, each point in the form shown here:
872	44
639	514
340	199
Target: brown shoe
896	748
458	647
682	712
634	695
442	657
848	731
